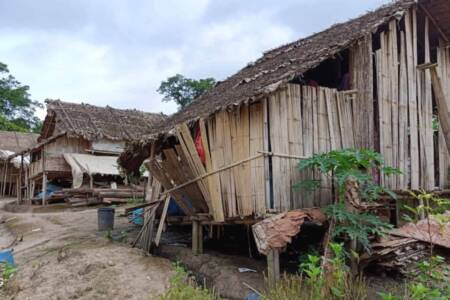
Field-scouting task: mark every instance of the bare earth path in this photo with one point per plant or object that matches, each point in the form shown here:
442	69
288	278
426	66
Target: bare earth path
62	256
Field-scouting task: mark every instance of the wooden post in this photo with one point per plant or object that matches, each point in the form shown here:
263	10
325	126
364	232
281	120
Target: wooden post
44	188
19	181
18	193
44	178
273	267
195	237
5	177
32	189
200	238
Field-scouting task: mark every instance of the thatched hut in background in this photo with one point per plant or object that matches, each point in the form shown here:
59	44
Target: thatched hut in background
231	155
81	139
11	143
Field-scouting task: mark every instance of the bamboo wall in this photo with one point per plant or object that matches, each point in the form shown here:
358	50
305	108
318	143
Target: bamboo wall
389	109
405	106
443	60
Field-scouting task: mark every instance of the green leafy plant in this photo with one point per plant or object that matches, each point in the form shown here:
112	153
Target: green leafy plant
355	226
355	166
315	283
350	164
6	271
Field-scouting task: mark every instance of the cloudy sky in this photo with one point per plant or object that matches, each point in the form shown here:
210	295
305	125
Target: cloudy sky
116	52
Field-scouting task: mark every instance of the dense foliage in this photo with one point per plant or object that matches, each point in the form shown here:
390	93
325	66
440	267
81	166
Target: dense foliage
16	108
183	90
351	166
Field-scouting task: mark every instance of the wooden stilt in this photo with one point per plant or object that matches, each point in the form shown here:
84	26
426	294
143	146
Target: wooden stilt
273	267
200	238
44	188
195	237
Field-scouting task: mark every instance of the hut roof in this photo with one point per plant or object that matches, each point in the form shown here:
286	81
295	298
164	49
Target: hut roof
275	68
17	141
283	64
94	122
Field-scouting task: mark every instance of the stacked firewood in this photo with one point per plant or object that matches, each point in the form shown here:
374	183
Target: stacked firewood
88	196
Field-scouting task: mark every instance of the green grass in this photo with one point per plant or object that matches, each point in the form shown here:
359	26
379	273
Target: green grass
6	272
182	288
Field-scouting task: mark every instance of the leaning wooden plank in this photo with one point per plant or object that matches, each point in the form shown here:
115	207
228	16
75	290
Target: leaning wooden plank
213	180
161	221
153	167
188	147
442	104
178	172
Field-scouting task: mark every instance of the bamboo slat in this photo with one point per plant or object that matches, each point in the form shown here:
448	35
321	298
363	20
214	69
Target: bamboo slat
411	58
213	180
257	166
443	59
308	147
280	143
427	119
361	71
324	145
394	87
403	155
295	132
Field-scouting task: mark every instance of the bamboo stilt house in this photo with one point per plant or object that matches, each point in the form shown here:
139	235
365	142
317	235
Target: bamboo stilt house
11	143
73	133
233	152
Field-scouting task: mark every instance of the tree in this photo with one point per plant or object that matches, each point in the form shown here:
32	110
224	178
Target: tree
16	108
183	90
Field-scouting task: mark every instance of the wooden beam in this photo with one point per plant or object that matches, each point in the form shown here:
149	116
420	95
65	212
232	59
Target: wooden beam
435	24
161	220
441	102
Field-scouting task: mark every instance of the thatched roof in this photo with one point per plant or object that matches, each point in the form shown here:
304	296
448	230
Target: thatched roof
94	122
282	64
17	141
275	68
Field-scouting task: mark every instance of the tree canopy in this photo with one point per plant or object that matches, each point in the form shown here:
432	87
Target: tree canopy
16	108
183	90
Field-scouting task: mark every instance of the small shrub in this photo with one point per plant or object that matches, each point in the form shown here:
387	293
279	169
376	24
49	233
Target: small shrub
351	166
182	288
6	272
314	283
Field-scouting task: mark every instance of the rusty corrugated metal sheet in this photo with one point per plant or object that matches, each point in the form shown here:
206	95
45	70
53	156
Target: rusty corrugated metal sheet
277	231
430	231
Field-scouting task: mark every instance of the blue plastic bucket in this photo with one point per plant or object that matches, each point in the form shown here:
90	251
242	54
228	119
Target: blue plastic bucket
105	218
6	256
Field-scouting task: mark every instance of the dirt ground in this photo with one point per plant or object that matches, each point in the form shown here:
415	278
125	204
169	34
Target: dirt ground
61	255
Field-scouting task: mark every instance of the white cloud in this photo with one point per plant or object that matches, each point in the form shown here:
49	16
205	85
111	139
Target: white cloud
117	52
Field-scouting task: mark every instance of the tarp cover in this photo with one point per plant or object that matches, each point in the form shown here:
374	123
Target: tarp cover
90	164
16	161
